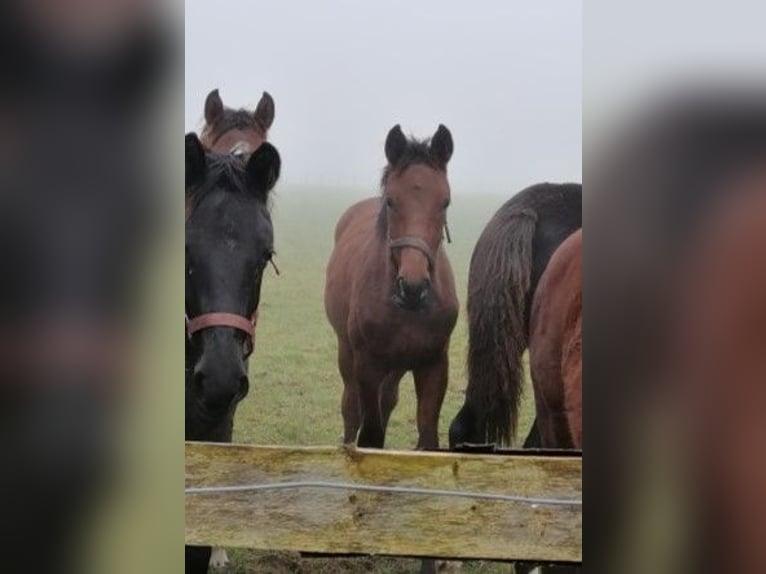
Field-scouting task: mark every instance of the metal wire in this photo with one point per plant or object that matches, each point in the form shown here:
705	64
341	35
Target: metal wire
534	501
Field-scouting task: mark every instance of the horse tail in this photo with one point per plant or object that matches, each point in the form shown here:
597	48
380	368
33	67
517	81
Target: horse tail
499	281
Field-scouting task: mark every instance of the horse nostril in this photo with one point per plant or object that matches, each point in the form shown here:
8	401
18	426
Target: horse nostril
413	294
218	391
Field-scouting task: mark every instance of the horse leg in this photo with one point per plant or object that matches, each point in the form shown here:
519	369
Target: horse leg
197	559
430	387
369	379
389	395
352	416
350	407
219	558
533	439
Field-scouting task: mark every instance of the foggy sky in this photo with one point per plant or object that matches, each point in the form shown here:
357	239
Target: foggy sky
503	76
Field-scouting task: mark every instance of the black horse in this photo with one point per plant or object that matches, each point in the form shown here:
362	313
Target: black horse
506	265
229	242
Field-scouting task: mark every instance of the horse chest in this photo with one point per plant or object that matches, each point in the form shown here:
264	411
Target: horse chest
403	337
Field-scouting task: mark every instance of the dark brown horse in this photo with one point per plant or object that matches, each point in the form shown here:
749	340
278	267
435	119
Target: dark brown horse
390	292
507	263
555	347
236	131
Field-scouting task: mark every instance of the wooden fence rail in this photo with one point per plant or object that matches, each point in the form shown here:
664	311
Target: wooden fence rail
327	519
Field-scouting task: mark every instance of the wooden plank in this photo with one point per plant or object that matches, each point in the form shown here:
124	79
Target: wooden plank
402	524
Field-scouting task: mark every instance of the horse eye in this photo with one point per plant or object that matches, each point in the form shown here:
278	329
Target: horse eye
389	202
446	204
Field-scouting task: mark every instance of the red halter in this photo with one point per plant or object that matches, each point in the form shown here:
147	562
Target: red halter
208	320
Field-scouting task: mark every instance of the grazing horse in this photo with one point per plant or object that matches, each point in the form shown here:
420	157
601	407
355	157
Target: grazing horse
390	291
227	130
229	242
506	266
555	347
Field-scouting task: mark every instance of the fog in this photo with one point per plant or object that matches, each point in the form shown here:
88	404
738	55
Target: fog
504	77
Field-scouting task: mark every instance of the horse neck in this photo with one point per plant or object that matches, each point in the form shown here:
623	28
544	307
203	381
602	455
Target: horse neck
387	270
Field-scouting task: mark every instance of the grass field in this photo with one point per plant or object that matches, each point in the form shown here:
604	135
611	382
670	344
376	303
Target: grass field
295	386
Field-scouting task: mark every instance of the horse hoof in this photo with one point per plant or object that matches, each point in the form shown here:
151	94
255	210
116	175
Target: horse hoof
218	558
448	566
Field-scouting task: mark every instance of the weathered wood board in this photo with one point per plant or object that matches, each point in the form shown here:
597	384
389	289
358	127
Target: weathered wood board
402	524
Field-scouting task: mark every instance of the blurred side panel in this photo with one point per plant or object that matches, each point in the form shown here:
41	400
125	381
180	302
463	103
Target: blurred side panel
90	416
674	298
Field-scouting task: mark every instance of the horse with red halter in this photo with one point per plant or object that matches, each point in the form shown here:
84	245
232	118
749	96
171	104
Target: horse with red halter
229	242
390	291
555	347
238	134
227	130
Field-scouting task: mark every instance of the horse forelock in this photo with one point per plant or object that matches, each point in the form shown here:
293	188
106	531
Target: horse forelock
226	172
417	152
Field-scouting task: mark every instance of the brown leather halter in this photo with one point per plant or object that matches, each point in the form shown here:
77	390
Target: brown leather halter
415	243
232	320
220	319
419	244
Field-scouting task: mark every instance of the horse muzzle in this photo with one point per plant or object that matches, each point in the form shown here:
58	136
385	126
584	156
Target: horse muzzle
411	296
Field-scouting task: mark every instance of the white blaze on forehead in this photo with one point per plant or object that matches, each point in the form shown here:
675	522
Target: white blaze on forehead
241	148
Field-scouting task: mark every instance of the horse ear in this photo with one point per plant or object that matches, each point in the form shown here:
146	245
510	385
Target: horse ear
396	143
196	163
264	112
263	168
442	146
213	108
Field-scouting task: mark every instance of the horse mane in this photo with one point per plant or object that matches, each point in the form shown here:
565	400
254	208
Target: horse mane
417	152
224	171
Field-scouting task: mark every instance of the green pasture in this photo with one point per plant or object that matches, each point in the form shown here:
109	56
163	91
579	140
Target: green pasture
295	389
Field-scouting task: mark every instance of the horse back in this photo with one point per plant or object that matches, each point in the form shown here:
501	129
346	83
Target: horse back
559	214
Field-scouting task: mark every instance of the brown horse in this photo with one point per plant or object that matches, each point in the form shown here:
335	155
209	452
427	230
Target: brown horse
555	347
236	131
390	292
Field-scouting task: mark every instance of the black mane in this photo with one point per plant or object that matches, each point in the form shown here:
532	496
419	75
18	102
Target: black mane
223	171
